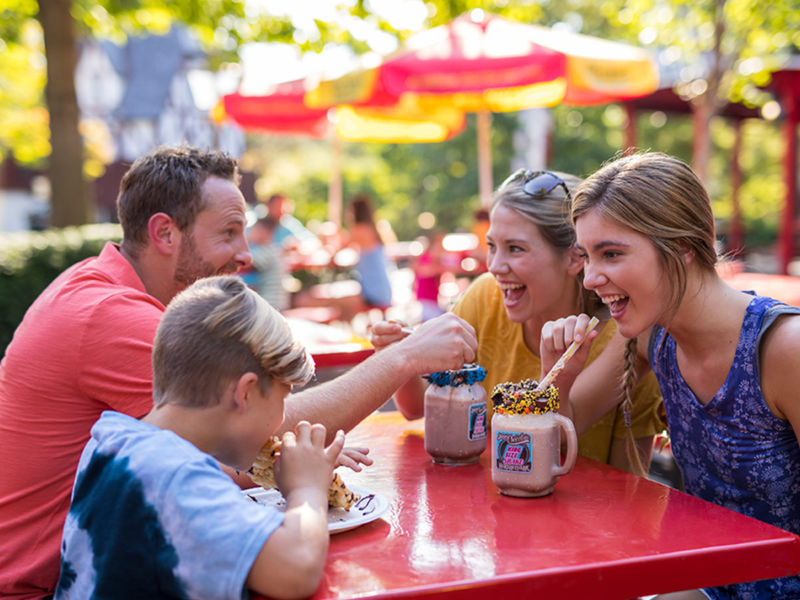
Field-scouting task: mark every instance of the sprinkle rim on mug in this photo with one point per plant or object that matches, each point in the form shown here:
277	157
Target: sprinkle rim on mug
522	398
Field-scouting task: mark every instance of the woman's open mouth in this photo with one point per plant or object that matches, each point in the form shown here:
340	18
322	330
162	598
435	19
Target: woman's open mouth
512	293
616	304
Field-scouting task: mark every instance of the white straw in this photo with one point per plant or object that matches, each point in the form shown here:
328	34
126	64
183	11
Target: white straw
561	363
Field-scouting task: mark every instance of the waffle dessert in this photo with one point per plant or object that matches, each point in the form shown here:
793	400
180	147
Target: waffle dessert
263	473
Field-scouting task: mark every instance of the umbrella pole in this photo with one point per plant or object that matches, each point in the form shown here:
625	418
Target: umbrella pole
335	186
485	184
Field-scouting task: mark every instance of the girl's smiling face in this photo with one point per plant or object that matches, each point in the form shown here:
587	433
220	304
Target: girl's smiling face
623	268
536	279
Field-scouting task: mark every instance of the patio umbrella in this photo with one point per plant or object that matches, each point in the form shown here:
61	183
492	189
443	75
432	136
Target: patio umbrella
281	111
483	63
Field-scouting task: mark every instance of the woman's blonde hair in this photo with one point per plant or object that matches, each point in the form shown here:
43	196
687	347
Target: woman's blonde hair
213	332
550	213
661	198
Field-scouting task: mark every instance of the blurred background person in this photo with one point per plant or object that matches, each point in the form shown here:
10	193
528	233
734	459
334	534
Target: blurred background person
428	269
480	227
372	268
269	263
289	231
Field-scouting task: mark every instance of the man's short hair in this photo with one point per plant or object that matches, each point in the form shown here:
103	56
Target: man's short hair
169	180
212	333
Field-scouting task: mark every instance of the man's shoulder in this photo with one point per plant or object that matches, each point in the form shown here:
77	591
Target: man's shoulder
88	295
107	278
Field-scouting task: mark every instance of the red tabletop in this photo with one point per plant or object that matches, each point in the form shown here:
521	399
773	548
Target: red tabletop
603	533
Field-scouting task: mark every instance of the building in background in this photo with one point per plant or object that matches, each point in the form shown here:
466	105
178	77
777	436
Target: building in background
139	95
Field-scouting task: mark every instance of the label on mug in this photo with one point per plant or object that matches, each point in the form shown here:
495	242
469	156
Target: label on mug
514	451
477	422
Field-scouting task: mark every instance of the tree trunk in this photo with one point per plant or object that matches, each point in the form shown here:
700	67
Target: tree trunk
69	196
708	104
701	136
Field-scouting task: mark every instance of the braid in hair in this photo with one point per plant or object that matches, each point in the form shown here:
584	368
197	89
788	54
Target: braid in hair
628	383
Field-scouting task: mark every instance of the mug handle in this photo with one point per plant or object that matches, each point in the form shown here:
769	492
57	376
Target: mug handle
572	445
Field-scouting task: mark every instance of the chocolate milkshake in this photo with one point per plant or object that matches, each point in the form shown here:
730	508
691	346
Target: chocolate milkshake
526	439
456	422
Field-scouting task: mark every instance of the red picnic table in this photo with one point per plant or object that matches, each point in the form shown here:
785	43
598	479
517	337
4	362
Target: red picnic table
602	534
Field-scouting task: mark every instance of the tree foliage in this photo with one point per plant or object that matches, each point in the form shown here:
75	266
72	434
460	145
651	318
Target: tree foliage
726	50
23	116
744	39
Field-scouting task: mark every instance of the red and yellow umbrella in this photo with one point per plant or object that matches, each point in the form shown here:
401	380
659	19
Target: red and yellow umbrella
282	111
480	62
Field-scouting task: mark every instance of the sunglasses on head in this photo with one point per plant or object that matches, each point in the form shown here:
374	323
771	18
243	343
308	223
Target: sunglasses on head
540	183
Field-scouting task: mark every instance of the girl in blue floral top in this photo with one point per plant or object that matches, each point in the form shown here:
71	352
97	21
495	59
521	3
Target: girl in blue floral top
727	362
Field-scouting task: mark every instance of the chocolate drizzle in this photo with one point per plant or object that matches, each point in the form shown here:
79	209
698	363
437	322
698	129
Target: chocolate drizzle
366	504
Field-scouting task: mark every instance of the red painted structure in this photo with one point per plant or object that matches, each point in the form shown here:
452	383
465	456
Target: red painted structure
785	85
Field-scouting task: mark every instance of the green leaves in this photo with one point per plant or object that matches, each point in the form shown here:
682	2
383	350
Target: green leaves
23	118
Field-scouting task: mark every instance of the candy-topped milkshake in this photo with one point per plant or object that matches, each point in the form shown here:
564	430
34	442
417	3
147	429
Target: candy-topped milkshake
456	422
526	439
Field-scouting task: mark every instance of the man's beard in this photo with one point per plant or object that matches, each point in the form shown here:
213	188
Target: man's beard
192	267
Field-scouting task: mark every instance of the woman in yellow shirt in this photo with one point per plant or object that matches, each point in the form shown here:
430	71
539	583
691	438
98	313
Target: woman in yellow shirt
535	276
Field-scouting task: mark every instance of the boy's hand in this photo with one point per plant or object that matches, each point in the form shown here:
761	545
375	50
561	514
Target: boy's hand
305	463
353	458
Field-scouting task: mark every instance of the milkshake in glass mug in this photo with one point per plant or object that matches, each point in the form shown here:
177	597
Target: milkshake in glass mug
526	439
456	415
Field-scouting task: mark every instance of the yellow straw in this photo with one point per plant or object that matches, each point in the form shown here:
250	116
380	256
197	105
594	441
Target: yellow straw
561	363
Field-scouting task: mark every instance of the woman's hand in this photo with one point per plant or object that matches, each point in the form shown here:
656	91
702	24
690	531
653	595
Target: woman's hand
556	337
386	333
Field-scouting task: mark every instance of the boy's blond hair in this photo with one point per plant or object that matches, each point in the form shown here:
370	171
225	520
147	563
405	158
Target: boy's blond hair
213	332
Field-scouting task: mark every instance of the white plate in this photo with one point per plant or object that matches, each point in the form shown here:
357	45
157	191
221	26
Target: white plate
370	506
